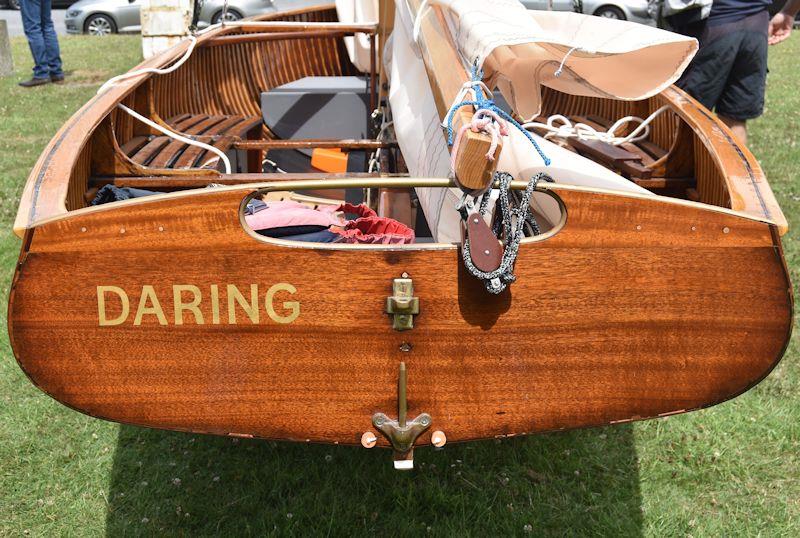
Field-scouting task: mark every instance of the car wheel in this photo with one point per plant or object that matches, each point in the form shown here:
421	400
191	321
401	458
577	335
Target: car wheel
611	12
13	4
100	25
231	16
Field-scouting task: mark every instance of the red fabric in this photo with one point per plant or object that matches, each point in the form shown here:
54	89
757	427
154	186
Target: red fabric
369	228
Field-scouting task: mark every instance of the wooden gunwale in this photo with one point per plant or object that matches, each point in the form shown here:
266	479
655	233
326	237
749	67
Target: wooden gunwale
323	181
263	36
748	187
289	26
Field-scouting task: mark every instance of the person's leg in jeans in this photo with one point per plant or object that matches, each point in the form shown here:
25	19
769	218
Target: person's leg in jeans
53	53
32	23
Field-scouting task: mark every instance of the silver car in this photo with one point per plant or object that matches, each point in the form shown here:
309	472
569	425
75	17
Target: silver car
630	10
103	17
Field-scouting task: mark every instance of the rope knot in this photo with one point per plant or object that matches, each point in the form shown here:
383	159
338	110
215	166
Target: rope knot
488	118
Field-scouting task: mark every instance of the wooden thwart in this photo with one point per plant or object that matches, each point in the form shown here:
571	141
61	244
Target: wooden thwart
313	143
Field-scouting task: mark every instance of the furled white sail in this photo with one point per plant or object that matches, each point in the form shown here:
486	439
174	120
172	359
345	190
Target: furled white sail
521	50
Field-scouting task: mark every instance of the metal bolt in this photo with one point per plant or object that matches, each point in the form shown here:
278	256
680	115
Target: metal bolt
378	421
475	220
122	230
424	421
726	230
486	252
639	227
368	439
404	275
160	228
438	439
694	228
405	347
83	228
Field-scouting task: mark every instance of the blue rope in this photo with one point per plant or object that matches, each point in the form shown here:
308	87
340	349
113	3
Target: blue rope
482	102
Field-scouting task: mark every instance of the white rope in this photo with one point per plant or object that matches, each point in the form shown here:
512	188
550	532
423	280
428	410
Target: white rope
274	165
131	74
181	138
467	88
561	127
163	71
564	61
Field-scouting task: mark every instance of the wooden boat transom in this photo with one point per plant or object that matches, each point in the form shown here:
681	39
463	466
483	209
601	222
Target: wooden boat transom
667	296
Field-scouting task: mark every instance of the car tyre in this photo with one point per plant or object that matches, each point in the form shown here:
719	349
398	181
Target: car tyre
12	4
233	15
611	12
100	25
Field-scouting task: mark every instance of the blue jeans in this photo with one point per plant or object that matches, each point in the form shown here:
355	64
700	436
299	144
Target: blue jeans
41	34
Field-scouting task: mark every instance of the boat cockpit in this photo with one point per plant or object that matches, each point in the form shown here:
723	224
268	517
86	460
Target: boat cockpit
354	115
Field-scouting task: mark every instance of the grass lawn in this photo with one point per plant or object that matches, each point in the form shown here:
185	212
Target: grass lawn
729	470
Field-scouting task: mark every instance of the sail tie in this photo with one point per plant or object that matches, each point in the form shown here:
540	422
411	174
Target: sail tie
486	121
564	61
487	107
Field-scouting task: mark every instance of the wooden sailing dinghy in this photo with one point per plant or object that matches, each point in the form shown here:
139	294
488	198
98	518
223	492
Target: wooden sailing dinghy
168	311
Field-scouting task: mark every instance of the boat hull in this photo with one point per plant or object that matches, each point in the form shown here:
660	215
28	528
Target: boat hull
635	307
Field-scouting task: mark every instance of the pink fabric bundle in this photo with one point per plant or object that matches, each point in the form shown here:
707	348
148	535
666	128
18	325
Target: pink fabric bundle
285	213
369	228
366	228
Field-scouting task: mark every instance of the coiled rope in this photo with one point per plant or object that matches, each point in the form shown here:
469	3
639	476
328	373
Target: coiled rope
510	224
561	127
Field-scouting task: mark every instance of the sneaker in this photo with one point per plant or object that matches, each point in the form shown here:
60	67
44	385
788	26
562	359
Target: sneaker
34	82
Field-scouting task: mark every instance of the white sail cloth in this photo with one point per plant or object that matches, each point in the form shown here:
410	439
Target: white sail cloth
522	49
358	12
422	141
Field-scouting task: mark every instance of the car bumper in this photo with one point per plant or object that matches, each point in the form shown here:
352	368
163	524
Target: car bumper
74	25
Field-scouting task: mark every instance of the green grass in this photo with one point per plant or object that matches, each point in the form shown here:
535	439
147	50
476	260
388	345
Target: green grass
728	470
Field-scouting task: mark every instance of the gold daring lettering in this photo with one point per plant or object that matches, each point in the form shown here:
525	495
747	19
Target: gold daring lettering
191	306
180	306
149	293
251	308
294	306
101	305
214	304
